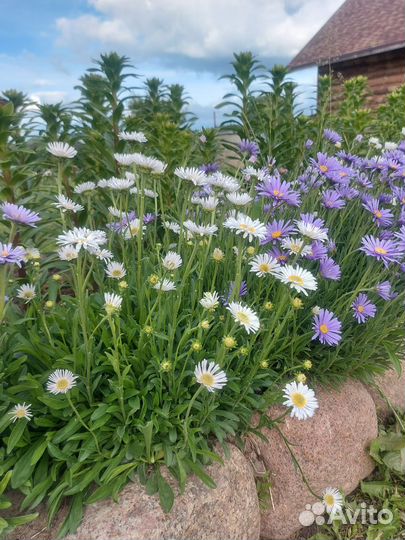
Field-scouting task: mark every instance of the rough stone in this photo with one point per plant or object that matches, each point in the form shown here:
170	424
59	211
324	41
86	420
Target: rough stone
392	386
230	511
331	448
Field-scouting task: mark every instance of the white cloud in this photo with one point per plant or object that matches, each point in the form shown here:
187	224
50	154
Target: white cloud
197	29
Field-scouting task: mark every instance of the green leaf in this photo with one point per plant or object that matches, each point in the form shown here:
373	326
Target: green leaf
202	475
147	431
21	520
16	434
118	470
23	468
166	495
4	481
73	519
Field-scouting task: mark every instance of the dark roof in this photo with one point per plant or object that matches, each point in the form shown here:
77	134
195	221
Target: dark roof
357	28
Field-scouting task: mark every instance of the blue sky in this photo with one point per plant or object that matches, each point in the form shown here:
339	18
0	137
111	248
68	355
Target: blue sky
45	45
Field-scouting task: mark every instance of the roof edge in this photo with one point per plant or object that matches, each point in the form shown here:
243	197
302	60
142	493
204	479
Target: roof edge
350	56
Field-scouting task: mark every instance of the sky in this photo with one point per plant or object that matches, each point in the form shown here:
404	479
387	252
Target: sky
46	45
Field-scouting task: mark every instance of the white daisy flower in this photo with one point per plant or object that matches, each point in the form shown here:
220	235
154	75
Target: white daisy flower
165	285
125	159
311	231
192	174
112	302
32	253
60	149
115	211
81	237
84	186
154	165
244	316
172	261
115	270
301	398
172	226
102	254
147	192
26	292
227	183
120	183
296	246
316	310
332	499
210	300
134	136
247	227
68	253
61	381
210	375
209	203
297	278
64	203
103	183
133	229
21	411
239	199
200	230
264	264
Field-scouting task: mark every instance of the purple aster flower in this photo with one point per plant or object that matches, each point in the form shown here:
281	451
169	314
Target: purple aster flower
363	308
19	214
384	289
401	219
308	144
210	168
119	226
251	148
327	328
312	219
277	230
332	136
11	255
347	192
328	167
278	254
149	218
359	138
399	193
318	251
386	251
401	237
331	245
332	199
243	291
382	217
329	269
278	190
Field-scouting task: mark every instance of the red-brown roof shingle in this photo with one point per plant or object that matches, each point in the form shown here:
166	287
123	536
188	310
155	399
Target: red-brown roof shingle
357	28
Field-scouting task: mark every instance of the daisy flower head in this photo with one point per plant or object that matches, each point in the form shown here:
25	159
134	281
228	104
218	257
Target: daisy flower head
310	230
329	269
19	214
172	226
332	136
112	303
210	375
296	246
172	260
21	410
26	292
249	228
297	278
61	381
12	255
333	500
191	174
66	204
277	230
279	191
382	217
239	199
68	253
210	300
120	184
165	285
386	251
125	159
264	264
84	186
301	399
133	228
81	237
327	328
61	149
115	270
132	136
223	181
200	230
384	290
331	199
363	308
245	316
103	254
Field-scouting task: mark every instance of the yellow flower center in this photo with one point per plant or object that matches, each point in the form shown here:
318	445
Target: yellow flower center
277	193
296	248
361	309
134	229
296	279
324	328
380	251
5	253
243	317
62	384
116	273
276	234
378	214
323	168
243	226
329	499
20	413
207	379
264	267
299	400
